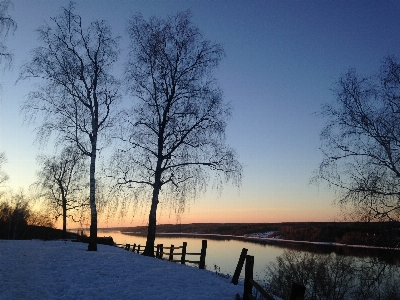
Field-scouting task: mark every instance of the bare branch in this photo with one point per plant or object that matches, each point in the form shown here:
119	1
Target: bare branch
176	132
361	142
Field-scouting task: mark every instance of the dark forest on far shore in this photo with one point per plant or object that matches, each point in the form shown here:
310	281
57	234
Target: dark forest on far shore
378	234
381	234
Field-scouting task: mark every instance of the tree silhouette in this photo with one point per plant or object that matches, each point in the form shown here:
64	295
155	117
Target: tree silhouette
175	132
77	93
7	25
361	143
61	184
3	176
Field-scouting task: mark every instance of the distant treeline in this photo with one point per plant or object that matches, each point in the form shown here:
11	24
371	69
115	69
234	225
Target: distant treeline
208	228
18	221
381	234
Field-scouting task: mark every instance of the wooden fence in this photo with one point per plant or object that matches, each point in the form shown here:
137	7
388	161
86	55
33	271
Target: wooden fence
296	293
135	248
160	253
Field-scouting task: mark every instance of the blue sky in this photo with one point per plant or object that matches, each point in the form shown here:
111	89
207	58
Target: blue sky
282	59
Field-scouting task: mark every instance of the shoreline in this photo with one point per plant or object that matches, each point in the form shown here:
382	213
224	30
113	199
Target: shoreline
264	240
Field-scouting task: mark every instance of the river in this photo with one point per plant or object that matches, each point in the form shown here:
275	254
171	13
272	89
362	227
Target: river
222	255
223	252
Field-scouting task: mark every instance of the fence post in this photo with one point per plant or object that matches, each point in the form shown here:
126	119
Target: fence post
202	263
183	257
158	250
138	248
248	274
171	253
297	291
134	247
239	266
127	246
161	251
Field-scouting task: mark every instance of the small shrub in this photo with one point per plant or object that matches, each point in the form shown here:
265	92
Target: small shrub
217	271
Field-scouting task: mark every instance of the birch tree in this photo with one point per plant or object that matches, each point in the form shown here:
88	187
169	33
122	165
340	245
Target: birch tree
7	25
175	132
77	94
62	186
361	143
3	176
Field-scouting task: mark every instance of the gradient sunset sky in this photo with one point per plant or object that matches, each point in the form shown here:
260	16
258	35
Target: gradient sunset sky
282	59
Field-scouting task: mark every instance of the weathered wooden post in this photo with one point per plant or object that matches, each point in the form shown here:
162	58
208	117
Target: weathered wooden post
161	251
171	253
202	263
297	292
158	251
248	276
138	248
183	257
239	266
134	247
127	246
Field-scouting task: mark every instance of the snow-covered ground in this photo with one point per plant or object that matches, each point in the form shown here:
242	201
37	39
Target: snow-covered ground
35	269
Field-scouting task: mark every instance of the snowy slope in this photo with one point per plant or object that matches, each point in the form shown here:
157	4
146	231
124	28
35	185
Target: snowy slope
37	269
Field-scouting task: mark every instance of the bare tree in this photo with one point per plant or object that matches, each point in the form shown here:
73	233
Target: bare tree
61	184
77	94
14	215
17	216
176	128
7	25
361	143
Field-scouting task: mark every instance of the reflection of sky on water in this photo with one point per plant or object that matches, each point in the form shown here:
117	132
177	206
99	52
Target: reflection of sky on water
225	253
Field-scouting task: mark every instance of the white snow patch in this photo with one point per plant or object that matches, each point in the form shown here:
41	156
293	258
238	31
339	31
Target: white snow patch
261	235
35	269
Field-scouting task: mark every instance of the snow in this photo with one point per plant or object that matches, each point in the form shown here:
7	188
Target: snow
266	236
261	235
35	269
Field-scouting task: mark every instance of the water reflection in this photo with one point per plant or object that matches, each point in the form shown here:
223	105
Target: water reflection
223	251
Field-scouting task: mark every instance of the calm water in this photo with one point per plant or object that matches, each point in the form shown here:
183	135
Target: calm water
225	253
222	253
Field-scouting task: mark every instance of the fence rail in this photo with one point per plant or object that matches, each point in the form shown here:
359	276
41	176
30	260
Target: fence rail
135	248
296	293
160	252
249	282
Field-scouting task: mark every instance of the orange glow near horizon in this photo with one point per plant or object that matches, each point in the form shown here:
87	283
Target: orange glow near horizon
225	216
221	211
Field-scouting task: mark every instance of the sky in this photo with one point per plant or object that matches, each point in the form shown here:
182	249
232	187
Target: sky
282	60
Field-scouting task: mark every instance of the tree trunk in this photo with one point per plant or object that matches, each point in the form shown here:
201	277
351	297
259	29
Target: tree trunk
93	210
64	208
151	229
